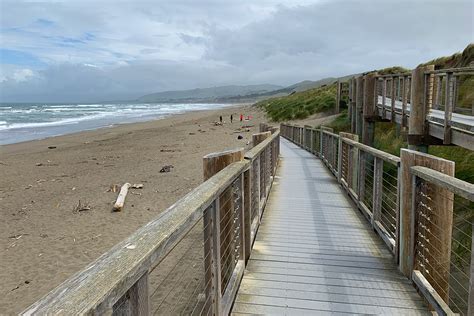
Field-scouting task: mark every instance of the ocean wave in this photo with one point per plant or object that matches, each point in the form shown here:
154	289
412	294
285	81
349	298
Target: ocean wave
63	110
90	105
96	115
67	121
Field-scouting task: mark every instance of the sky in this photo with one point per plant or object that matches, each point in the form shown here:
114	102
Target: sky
91	51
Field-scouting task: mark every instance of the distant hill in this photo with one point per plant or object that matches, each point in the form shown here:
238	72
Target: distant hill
297	87
208	94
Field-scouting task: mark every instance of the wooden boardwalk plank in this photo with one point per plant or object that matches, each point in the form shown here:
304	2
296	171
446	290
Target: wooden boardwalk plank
316	254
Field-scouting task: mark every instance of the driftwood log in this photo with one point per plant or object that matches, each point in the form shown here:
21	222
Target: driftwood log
121	197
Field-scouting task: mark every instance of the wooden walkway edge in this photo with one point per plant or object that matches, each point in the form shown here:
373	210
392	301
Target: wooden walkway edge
315	253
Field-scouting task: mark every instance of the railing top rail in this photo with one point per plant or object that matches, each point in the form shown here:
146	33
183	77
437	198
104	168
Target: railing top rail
467	70
401	74
459	187
373	151
329	133
255	151
104	281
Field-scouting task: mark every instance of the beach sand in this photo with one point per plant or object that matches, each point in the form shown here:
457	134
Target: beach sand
43	240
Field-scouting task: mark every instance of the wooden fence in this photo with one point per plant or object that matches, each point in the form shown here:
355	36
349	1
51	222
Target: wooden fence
190	260
420	210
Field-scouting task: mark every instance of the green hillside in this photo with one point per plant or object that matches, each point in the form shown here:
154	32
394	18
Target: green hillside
300	105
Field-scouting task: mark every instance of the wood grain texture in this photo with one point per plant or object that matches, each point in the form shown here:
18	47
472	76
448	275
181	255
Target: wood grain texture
410	158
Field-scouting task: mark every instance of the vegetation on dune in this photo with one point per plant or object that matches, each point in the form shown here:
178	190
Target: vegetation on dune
392	70
300	105
341	123
462	59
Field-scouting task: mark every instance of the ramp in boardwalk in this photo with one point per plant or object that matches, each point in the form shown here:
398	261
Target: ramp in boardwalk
315	253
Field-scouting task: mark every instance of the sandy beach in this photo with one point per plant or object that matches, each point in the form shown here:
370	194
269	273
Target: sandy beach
44	240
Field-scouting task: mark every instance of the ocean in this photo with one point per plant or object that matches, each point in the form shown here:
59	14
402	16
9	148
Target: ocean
29	121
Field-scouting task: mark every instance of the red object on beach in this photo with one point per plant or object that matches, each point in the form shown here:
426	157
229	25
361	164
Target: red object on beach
241	117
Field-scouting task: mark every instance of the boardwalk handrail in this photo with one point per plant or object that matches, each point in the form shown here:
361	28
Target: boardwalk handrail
425	101
118	281
386	188
442	205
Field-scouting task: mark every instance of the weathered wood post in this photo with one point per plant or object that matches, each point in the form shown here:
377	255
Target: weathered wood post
384	95
369	106
358	105
137	301
377	191
353	105
212	164
272	129
448	107
417	120
307	137
393	99
410	158
338	96
404	103
351	156
321	142
262	127
260	137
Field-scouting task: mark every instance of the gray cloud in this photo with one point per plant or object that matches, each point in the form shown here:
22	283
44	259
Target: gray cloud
87	51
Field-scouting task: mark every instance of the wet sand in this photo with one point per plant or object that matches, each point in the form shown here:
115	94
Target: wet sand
43	240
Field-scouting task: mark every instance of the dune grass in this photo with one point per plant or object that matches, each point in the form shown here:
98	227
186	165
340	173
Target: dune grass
300	105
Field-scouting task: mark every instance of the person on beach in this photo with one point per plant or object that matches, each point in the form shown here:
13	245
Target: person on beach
220	119
231	118
241	117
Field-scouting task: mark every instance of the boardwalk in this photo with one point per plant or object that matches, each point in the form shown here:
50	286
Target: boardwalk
315	253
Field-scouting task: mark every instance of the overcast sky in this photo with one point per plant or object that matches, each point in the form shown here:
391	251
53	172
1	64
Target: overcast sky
109	50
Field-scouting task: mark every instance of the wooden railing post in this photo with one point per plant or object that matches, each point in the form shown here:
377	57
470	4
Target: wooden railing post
392	118
448	108
260	137
212	164
352	104
247	214
338	97
306	139
301	136
358	105
137	300
350	157
410	158
339	159
404	102
369	107
362	176
417	119
384	95
214	287
377	191
321	139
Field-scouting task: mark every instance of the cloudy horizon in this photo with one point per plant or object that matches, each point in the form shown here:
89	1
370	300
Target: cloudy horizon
86	51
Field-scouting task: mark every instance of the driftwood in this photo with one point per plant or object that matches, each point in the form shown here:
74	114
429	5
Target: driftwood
121	197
